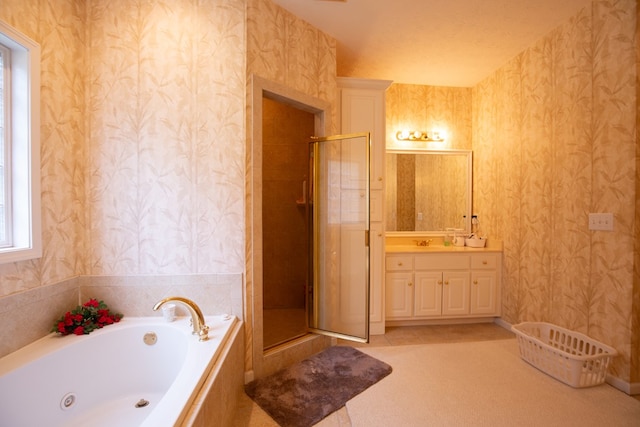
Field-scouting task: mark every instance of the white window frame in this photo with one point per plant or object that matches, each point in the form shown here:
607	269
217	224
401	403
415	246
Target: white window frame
24	147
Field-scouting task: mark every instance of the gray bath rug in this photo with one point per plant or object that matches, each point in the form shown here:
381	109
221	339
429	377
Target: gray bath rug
308	391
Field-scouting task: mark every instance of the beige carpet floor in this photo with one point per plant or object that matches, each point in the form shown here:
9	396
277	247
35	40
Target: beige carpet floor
464	375
480	384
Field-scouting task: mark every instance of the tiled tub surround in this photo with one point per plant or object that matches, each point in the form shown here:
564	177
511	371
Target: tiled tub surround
146	383
28	316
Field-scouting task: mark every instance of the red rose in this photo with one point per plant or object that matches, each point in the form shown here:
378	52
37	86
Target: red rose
84	319
92	303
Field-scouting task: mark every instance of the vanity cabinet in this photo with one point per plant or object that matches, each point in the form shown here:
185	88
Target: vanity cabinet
484	284
442	285
399	295
441	293
362	109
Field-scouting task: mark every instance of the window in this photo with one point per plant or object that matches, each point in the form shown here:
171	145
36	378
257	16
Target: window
20	232
5	173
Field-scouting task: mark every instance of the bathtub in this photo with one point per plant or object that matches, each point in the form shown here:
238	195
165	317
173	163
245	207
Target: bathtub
138	372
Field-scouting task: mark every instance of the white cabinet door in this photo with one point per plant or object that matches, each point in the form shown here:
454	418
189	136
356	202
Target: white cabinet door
455	293
483	292
399	294
428	294
362	106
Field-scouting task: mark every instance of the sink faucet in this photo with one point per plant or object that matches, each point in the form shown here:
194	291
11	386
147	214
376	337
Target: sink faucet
197	319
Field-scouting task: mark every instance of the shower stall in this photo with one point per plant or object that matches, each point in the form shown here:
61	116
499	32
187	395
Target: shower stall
285	177
311	240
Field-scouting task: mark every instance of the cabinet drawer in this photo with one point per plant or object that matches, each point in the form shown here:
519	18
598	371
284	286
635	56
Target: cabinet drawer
484	261
399	262
442	262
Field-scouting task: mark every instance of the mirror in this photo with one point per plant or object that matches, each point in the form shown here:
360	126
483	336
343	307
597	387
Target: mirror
428	191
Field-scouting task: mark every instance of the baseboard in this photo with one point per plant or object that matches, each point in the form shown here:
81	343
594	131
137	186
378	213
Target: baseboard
622	385
377	328
436	321
503	323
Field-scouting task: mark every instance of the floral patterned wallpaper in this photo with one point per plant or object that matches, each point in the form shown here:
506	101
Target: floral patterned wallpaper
429	108
165	161
286	50
142	137
59	29
554	138
143	149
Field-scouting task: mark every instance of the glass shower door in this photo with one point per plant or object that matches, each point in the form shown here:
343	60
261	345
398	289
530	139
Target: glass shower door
338	295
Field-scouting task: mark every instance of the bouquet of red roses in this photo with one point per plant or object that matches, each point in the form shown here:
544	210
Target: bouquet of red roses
91	315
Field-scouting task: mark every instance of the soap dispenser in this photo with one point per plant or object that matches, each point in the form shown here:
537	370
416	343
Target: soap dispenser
447	236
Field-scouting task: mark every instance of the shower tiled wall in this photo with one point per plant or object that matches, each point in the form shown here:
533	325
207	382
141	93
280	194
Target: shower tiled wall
285	168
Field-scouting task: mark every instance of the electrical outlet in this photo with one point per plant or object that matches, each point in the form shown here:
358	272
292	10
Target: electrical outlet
601	221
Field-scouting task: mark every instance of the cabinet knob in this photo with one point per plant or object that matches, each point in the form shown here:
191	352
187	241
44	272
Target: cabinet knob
379	178
446	282
399	264
484	262
439	282
410	284
475	282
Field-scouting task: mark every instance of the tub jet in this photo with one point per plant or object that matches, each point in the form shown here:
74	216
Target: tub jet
67	401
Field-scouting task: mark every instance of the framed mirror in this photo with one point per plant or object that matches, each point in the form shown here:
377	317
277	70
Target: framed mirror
428	191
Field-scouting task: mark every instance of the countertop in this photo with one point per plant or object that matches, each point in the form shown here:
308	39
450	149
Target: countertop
492	246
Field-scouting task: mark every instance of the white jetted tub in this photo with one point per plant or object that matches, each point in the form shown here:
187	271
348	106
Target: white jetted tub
138	372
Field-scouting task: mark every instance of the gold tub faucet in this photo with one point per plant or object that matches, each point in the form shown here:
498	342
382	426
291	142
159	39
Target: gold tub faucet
197	318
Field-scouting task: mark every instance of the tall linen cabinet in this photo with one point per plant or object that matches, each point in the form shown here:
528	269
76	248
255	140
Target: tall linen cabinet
362	109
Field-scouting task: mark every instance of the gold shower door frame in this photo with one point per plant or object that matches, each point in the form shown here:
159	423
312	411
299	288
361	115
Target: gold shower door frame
338	291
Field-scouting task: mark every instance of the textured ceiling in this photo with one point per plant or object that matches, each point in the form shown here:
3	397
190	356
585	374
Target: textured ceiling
432	42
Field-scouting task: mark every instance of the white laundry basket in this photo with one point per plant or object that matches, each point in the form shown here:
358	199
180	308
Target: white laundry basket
570	357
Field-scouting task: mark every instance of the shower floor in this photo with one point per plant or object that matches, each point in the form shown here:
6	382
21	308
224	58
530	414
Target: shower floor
282	325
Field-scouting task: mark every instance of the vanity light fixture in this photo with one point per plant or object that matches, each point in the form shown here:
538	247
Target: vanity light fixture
405	135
